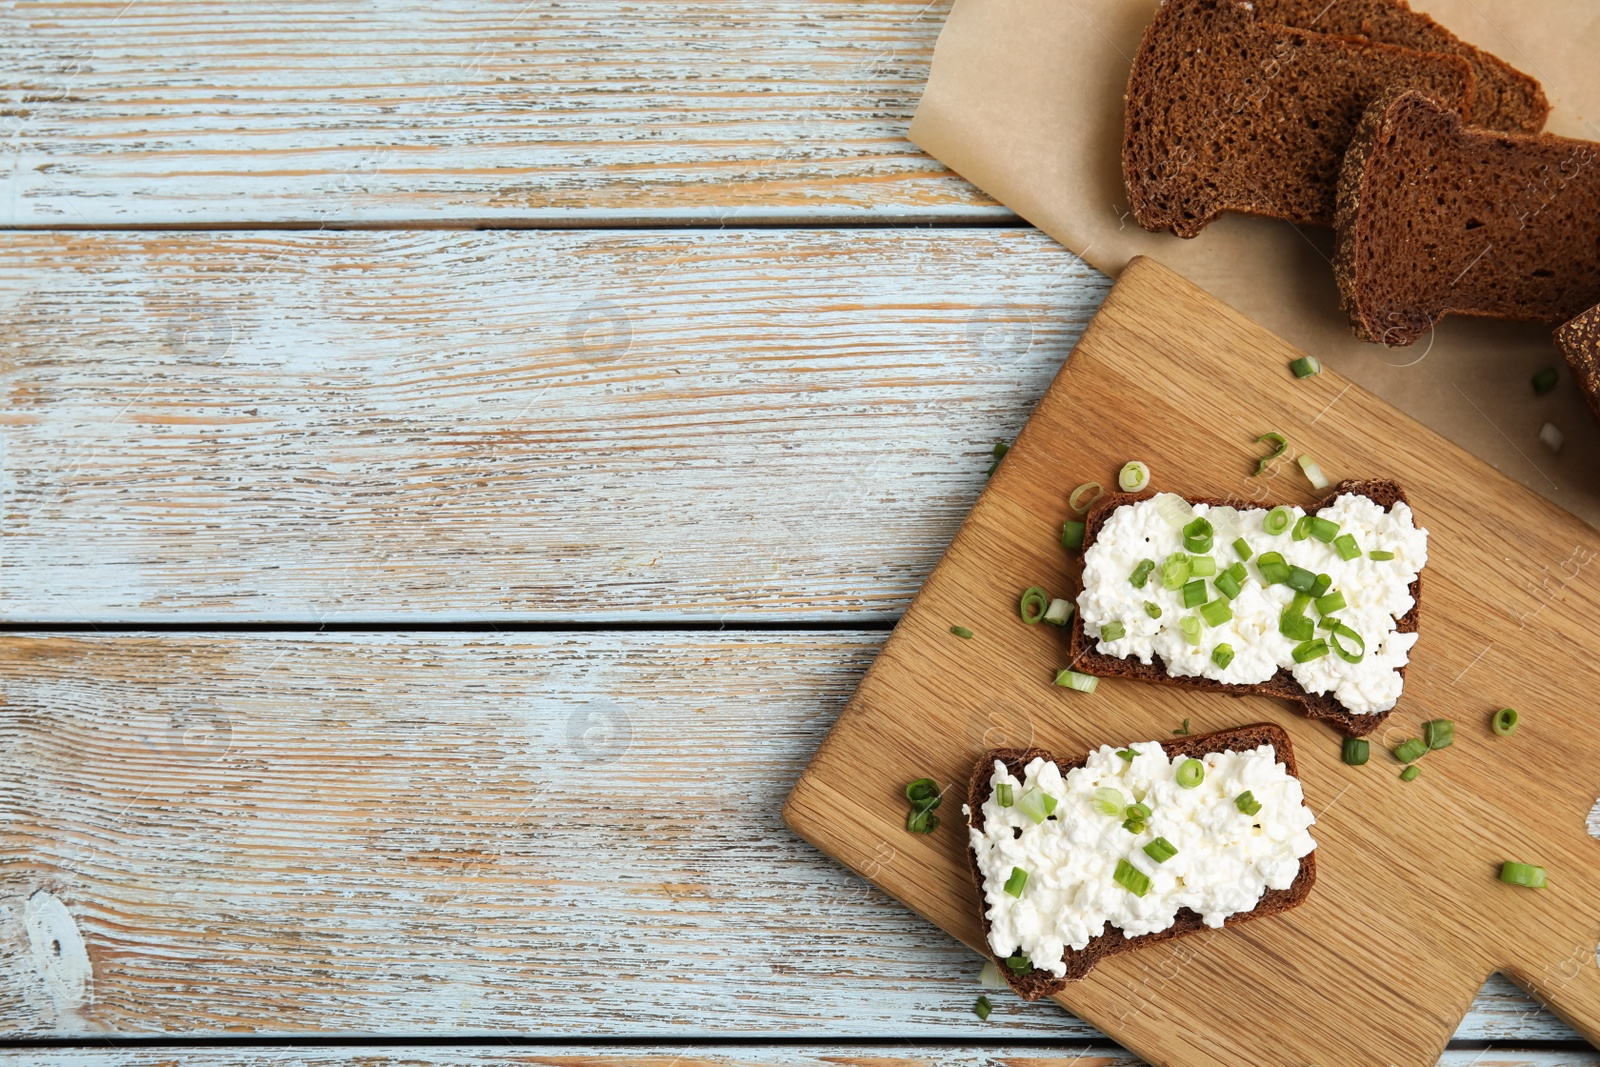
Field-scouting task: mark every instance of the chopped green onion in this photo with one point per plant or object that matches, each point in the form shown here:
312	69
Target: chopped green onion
1222	655
1523	874
1202	566
1076	501
1083	683
1035	602
1072	534
1113	631
1356	751
1127	754
1190	625
1059	613
1280	445
1345	545
1247	803
1003	795
1000	450
1217	612
1243	549
961	631
1380	556
1152	609
1338	633
1306	367
1160	850
1134	826
924	793
1505	722
1412	750
1018	879
1141	812
1334	601
1177	511
1194	593
1302	528
1324	530
1323	583
1296	627
1314	473
1306	651
1299	604
1545	381
1175	571
1133	477
983	1008
1037	805
1301	580
1141	573
1197	535
1184	729
1019	963
1191	772
1410	773
1274	571
1108	801
1278	520
922	822
1227	584
1131	878
1439	733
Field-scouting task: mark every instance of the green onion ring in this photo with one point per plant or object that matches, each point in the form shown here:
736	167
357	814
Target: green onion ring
1134	477
1281	444
1077	504
1339	630
1035	602
1505	722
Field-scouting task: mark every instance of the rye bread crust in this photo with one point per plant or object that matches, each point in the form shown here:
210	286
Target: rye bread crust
1506	98
1415	177
1227	112
1079	963
1084	657
1580	342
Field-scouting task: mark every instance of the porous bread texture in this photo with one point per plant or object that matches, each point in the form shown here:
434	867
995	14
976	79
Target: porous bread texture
1112	942
1437	218
1580	342
1087	660
1504	98
1227	113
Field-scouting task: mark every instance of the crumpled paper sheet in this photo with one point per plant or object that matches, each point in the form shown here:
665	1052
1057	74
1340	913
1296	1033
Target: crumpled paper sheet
1025	101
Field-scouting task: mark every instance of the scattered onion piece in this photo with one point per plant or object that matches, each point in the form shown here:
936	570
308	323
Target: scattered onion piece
1134	477
1552	437
1313	472
1080	505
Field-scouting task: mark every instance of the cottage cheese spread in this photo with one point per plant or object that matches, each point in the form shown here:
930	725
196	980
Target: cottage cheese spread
1225	859
1377	593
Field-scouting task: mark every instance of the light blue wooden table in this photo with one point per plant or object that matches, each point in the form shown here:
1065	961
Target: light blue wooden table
458	457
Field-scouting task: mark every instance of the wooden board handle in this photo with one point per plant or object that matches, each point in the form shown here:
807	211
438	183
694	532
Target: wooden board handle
1569	987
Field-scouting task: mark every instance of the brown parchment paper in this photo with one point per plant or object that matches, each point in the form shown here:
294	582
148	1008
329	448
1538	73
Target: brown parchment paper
1025	101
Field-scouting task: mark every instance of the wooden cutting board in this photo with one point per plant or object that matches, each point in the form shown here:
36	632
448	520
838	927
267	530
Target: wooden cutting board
1408	917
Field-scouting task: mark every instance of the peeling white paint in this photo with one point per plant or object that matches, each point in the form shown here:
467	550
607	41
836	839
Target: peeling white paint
59	954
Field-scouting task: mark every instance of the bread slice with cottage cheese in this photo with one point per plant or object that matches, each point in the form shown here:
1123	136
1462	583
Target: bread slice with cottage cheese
1034	978
1087	657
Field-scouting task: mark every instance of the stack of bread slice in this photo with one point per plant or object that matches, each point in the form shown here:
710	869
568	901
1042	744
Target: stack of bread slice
1422	151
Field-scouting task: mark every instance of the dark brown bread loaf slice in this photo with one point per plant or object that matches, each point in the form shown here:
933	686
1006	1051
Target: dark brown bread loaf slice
1085	659
1229	113
1580	340
1036	984
1505	98
1436	218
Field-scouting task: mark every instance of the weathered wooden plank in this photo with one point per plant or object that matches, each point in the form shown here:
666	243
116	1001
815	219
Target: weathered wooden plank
546	834
464	111
681	1056
508	425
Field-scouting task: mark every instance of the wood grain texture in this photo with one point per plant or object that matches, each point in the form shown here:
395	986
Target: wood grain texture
457	834
1516	627
314	112
509	425
998	1055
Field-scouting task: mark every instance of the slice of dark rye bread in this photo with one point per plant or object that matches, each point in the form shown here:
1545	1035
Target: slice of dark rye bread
1580	341
1112	942
1085	659
1226	112
1436	218
1505	98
